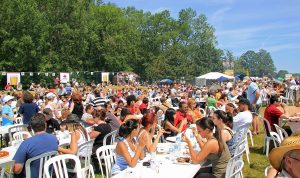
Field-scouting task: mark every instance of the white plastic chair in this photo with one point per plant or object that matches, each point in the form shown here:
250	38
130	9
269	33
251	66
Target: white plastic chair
251	137
19	120
236	170
87	149
42	159
270	136
112	136
281	132
288	97
6	169
16	128
231	169
106	153
58	164
242	147
21	136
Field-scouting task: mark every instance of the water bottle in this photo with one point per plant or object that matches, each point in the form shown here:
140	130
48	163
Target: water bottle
177	146
153	161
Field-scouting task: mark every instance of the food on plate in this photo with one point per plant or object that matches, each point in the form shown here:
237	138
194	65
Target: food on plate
183	160
3	154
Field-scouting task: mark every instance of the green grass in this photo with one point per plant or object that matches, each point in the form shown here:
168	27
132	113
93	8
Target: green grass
258	160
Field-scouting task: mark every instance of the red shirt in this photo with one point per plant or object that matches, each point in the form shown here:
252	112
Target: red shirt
143	105
179	117
272	114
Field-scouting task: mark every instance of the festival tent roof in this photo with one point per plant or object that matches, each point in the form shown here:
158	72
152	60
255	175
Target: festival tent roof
214	76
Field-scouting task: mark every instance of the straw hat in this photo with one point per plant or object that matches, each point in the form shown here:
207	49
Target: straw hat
288	144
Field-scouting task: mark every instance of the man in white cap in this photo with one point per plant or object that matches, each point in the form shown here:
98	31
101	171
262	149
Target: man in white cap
7	112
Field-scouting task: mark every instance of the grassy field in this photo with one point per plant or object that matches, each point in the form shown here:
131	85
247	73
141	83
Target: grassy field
258	160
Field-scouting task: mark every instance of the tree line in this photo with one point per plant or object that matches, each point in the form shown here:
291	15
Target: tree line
76	35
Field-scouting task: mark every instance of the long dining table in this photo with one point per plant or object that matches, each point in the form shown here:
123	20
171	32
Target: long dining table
166	164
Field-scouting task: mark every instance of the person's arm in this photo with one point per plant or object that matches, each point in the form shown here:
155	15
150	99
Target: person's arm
209	147
93	134
20	159
73	145
257	95
8	117
134	117
198	137
151	147
172	127
18	168
122	149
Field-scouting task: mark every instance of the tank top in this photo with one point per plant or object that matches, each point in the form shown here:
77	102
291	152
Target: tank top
121	163
83	151
78	110
219	162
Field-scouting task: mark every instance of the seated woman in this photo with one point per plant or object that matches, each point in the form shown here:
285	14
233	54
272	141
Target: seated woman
168	123
224	122
100	130
147	132
213	149
78	135
127	150
193	110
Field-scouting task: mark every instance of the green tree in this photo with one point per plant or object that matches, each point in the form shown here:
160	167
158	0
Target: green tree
281	74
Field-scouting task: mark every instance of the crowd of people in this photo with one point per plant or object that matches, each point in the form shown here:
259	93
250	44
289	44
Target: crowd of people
140	113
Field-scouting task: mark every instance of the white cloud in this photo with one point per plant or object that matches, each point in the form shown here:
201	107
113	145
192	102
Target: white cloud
219	14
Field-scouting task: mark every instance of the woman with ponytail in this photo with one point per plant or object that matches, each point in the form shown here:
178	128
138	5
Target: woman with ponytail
128	151
213	149
224	122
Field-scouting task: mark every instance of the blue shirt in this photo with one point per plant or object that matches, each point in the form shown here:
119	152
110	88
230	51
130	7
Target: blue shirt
34	146
7	109
28	110
251	93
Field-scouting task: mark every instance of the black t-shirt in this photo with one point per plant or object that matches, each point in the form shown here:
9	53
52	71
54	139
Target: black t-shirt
104	129
78	110
51	125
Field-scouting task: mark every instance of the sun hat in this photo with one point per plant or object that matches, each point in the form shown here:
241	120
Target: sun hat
50	95
288	144
246	78
7	98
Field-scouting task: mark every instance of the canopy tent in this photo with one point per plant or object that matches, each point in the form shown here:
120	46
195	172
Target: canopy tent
201	80
166	81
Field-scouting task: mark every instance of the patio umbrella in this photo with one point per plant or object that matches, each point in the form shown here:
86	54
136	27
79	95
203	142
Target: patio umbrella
222	79
166	81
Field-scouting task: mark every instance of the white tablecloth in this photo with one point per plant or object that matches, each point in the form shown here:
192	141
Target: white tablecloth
167	168
12	151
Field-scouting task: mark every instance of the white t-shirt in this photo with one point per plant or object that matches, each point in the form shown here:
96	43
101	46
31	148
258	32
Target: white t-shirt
241	118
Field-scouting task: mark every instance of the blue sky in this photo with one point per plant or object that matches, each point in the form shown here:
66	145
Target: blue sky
243	25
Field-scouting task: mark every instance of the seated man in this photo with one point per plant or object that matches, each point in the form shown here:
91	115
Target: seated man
182	116
272	113
241	123
52	124
38	144
286	157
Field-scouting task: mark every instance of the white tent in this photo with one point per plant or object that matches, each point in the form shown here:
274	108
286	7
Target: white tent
201	80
